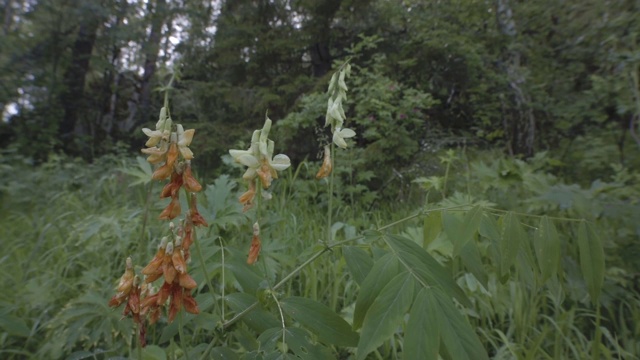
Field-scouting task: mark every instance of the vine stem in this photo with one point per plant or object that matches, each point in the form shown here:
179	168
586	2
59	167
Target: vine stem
327	248
330	204
181	333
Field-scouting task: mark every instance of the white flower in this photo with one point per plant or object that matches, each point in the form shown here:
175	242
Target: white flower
340	134
259	158
184	140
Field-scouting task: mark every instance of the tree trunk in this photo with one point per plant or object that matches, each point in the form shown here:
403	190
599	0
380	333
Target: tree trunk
151	50
520	125
72	97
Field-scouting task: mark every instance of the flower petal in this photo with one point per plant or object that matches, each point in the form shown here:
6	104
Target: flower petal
248	160
347	133
280	162
338	140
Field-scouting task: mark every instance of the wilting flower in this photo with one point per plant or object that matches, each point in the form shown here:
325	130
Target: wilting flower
254	250
129	292
259	157
246	199
190	183
326	167
194	214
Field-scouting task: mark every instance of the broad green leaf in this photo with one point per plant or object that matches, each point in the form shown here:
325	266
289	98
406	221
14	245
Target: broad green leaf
298	341
591	260
223	353
153	352
432	226
427	271
547	246
471	258
14	325
461	230
386	313
422	335
381	273
319	319
458	337
258	319
358	262
489	228
510	240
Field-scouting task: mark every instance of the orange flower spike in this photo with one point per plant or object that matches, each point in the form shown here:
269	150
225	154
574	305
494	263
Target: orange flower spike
176	302
190	304
178	261
167	265
149	302
172	154
156	262
186	281
172	188
172	210
196	218
254	250
163	294
162	172
187	240
190	183
325	169
134	297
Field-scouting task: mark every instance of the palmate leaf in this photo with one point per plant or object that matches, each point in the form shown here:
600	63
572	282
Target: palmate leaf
591	260
322	321
381	273
385	314
425	269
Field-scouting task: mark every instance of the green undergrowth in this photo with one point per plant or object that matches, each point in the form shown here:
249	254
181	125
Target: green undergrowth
484	252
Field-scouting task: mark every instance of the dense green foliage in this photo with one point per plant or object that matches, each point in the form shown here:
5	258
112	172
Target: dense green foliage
488	206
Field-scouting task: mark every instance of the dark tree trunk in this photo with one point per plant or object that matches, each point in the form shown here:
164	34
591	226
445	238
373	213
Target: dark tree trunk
151	50
73	97
320	29
520	123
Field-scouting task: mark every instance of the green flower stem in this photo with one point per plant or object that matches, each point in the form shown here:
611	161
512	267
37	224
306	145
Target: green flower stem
181	334
200	256
330	205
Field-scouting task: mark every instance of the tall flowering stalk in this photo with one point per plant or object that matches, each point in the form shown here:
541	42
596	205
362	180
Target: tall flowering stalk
168	148
261	165
335	118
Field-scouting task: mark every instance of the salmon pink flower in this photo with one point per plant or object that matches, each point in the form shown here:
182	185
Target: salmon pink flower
326	167
254	250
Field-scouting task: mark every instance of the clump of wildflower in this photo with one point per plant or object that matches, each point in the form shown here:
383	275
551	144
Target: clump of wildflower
172	148
260	162
335	113
170	264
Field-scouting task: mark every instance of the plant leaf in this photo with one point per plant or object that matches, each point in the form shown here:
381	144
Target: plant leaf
381	273
358	262
461	231
458	337
510	240
432	227
422	335
386	313
591	260
424	268
547	247
320	320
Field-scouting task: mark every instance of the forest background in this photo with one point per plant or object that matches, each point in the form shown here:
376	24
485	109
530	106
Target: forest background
530	107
